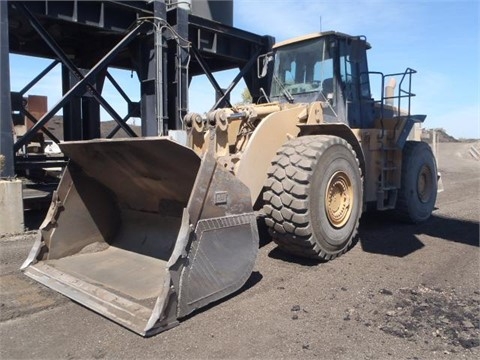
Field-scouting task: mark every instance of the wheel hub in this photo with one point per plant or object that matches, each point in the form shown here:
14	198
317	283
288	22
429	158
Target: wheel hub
339	199
424	184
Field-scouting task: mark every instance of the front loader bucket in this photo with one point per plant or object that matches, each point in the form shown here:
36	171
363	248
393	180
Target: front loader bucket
144	232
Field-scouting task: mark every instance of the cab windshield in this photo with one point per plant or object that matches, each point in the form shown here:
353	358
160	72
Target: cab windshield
303	68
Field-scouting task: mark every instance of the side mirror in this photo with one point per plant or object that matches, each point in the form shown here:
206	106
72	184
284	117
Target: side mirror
262	64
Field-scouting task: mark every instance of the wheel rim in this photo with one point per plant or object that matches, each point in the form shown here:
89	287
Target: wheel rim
424	184
339	199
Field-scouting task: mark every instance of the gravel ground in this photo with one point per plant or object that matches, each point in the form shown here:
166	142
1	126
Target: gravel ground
404	292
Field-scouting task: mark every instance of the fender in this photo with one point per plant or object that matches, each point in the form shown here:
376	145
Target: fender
272	132
340	130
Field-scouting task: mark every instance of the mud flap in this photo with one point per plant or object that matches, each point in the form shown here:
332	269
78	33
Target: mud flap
440	187
144	232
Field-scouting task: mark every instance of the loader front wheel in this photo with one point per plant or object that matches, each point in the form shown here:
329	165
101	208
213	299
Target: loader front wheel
313	197
418	192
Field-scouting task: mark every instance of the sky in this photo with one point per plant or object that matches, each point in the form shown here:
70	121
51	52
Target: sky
439	39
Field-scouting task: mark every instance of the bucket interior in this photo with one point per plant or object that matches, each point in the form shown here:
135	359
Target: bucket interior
133	263
121	214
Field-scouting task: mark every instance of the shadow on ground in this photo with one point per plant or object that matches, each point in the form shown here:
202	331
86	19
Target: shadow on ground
381	233
254	279
278	254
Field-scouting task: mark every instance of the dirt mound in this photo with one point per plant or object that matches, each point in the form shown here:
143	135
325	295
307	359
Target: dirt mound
441	134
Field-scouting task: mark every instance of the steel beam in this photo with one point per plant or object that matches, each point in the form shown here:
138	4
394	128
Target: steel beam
162	66
239	76
100	66
117	128
72	110
118	88
208	73
6	125
39	77
81	115
177	67
151	69
83	83
32	118
132	107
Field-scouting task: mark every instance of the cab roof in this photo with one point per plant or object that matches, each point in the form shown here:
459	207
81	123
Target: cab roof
318	35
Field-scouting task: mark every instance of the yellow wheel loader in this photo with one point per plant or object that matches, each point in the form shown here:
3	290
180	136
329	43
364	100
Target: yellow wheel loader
145	231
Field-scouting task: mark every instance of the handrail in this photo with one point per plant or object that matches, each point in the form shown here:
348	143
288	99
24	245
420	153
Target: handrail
401	93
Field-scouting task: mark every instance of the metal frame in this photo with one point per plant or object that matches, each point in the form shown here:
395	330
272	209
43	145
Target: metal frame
83	83
6	139
21	93
166	48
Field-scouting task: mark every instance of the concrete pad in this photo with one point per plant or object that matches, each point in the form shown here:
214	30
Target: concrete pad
11	207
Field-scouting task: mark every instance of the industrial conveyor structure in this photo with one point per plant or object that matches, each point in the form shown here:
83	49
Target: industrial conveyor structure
165	43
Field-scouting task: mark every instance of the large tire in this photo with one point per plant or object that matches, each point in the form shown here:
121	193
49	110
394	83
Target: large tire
313	197
418	192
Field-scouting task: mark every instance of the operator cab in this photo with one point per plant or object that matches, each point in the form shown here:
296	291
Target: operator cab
330	67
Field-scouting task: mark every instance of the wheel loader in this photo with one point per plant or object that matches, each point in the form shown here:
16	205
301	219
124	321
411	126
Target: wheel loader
145	231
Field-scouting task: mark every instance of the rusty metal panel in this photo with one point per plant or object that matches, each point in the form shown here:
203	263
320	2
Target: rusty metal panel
37	106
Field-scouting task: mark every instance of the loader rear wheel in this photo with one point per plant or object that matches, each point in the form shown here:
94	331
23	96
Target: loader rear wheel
418	192
313	197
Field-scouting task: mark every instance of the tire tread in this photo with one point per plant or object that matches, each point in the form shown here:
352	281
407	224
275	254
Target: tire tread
286	196
411	150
